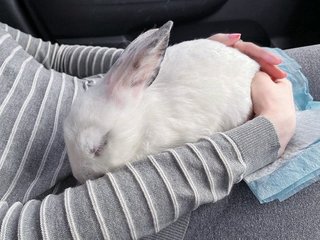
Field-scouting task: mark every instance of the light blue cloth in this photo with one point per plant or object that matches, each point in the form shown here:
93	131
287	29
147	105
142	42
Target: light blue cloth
299	166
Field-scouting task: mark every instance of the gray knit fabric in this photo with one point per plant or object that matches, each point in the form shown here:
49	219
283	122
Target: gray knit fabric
308	58
126	204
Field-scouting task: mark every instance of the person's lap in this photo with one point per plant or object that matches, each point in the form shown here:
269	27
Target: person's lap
241	216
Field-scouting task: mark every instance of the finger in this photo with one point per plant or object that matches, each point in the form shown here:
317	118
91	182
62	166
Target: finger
257	53
261	79
284	81
272	70
262	76
226	39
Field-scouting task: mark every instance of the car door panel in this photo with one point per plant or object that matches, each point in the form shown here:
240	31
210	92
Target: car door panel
114	23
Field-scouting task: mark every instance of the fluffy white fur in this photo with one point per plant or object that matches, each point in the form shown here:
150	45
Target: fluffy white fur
202	87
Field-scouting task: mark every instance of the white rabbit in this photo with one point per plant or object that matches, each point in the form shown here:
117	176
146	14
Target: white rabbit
198	87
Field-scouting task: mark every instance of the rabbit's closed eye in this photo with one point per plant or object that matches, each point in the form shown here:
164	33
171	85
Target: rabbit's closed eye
97	150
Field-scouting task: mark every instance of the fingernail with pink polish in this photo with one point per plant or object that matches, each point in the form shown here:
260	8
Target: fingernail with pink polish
286	74
273	59
234	36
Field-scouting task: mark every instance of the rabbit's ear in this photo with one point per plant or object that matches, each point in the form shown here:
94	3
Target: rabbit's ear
139	64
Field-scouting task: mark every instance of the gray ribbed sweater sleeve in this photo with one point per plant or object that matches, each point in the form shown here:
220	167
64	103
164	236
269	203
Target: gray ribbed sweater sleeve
76	60
149	195
138	200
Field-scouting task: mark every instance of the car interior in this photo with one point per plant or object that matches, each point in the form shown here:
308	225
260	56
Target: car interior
115	23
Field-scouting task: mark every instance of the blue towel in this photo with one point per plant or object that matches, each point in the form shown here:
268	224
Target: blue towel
299	166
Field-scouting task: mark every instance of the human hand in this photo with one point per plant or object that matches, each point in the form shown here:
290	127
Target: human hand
267	60
274	101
